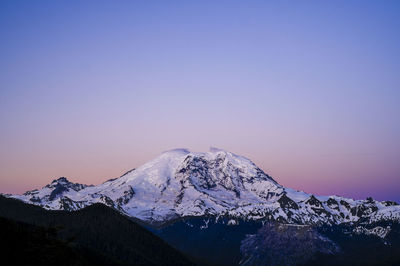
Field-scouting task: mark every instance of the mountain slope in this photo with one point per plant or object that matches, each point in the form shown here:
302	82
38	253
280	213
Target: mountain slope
99	229
27	244
269	243
283	244
180	183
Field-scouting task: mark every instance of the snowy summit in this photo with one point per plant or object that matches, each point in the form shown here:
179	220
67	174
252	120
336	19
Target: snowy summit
180	183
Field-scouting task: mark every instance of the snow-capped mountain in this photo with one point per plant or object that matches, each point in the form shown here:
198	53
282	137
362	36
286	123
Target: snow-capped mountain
180	183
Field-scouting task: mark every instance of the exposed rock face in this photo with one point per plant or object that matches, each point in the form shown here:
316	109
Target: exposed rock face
287	203
379	231
53	191
284	244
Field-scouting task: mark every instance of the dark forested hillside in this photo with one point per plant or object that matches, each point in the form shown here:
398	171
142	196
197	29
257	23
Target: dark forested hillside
25	244
208	240
361	249
252	243
96	229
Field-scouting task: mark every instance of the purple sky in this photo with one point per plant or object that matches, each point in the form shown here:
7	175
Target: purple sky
308	90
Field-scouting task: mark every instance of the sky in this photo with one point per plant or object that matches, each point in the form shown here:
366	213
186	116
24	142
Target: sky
308	90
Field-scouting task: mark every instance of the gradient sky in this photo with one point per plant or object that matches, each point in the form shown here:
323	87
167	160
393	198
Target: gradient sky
310	91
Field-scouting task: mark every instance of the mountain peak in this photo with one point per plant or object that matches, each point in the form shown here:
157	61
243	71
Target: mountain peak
214	149
177	151
180	183
61	180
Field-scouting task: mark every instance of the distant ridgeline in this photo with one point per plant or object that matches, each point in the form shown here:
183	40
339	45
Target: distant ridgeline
216	207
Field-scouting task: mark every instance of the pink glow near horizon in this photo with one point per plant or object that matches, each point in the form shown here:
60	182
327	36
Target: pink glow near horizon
309	92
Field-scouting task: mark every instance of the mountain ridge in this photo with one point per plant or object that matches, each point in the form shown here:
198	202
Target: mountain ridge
180	183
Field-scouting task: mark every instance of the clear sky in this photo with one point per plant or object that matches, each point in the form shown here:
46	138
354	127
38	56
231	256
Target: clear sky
309	90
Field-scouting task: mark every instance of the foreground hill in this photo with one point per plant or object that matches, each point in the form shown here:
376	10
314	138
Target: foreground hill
97	230
26	244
